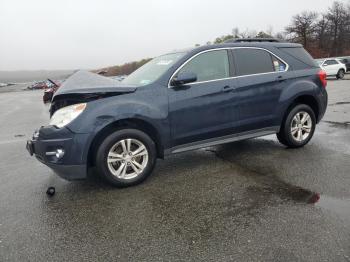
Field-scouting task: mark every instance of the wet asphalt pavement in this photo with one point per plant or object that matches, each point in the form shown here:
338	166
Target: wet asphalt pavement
253	200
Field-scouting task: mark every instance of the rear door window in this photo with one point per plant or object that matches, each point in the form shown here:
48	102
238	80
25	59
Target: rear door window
278	65
251	61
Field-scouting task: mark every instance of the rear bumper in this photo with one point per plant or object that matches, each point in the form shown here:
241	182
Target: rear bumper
61	150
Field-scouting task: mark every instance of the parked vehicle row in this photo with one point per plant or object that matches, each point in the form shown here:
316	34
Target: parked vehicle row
38	85
6	84
177	102
333	67
346	61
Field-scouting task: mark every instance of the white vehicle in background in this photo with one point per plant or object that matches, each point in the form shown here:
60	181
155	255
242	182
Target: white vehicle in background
333	67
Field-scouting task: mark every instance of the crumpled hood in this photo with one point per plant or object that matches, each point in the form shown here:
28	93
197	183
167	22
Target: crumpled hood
84	82
85	86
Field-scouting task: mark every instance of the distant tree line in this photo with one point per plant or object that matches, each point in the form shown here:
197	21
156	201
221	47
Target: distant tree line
124	69
322	34
236	33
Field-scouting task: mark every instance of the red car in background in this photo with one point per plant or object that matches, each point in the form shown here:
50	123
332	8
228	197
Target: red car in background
38	85
52	87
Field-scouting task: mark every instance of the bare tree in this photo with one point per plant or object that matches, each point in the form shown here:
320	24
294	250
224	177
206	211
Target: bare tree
269	30
302	27
280	35
235	32
337	18
248	33
321	31
262	34
222	39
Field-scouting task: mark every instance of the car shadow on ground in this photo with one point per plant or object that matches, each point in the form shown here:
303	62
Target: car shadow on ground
256	161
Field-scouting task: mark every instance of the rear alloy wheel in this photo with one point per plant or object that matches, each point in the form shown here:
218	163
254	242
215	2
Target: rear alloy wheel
126	157
341	74
298	127
301	126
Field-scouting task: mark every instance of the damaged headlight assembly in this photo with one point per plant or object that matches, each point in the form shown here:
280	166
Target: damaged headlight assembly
65	115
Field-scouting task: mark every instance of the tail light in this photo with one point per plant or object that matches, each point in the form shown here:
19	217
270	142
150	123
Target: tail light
323	77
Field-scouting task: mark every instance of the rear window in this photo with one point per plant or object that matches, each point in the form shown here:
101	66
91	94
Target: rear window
252	61
300	54
331	62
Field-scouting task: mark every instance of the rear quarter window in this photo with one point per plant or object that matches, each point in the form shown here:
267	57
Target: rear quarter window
300	54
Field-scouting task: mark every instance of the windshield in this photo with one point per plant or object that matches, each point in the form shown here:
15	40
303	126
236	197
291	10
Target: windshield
151	71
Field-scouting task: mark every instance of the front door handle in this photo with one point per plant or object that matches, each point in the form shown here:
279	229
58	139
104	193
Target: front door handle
227	88
280	79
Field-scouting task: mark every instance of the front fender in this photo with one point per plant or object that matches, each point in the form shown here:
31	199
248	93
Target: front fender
102	113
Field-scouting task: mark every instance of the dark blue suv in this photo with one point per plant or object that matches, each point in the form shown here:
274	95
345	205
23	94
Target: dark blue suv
181	101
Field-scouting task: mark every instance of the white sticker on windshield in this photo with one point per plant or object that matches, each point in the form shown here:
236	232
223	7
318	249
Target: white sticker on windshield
164	62
145	82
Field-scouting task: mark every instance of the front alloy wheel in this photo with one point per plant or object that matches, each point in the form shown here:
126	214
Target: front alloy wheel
126	157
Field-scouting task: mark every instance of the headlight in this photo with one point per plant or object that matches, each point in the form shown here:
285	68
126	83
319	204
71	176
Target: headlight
67	114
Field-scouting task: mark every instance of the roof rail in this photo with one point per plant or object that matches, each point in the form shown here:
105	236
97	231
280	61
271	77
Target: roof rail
239	40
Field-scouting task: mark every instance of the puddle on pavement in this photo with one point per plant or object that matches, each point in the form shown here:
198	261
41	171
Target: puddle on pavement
339	207
290	192
340	103
274	186
267	181
269	184
338	124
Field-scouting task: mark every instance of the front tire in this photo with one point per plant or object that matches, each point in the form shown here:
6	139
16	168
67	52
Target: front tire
298	126
126	157
341	74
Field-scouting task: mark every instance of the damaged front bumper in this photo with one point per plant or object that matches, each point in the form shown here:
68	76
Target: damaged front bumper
61	150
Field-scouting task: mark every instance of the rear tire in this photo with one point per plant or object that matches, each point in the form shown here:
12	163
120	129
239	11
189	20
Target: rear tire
298	126
341	74
126	157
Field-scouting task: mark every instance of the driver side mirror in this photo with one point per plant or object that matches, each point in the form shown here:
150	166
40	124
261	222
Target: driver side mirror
325	64
184	78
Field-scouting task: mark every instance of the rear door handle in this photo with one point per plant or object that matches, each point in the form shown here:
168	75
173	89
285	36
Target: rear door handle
227	88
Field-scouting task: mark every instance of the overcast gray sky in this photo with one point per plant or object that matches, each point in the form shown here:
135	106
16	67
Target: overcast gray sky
70	34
